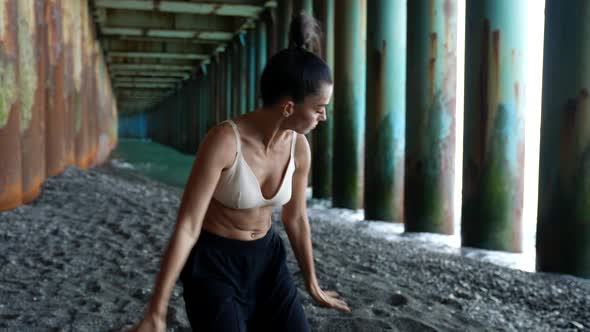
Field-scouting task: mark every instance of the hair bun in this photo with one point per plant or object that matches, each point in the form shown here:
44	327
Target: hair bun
304	33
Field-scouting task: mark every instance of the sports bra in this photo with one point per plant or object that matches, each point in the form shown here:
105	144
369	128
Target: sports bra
238	187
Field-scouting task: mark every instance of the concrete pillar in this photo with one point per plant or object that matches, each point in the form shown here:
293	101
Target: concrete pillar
349	101
493	159
430	127
385	128
563	227
322	152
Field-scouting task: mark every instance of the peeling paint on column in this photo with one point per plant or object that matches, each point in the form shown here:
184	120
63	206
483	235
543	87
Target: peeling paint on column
493	163
2	19
430	150
563	227
27	64
8	90
385	104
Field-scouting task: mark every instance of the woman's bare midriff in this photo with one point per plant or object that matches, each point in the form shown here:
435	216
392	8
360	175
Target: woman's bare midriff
237	224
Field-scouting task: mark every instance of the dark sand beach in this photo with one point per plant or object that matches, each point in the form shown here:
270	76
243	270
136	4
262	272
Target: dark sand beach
83	257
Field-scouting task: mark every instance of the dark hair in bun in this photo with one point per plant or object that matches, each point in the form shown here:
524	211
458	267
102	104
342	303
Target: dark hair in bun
296	71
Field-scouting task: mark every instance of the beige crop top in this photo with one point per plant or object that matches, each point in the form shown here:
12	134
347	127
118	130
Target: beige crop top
238	187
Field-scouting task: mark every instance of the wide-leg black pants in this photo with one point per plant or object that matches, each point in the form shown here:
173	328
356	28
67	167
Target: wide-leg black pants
233	285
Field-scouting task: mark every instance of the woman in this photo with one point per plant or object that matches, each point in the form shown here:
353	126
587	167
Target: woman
231	263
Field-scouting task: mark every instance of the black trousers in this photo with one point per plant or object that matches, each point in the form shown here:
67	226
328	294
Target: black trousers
233	285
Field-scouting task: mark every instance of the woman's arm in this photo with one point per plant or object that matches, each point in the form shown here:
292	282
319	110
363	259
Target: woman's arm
215	153
294	217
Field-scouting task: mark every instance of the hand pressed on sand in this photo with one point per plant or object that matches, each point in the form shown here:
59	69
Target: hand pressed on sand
330	299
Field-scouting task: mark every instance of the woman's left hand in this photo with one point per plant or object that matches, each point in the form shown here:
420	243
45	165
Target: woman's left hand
329	299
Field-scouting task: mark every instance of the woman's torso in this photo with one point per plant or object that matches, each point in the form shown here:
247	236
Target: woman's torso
269	175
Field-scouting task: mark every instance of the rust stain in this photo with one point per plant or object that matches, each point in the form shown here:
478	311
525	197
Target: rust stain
481	125
378	60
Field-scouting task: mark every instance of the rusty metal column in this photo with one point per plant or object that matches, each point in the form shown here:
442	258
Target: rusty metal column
68	28
303	6
10	140
322	151
563	227
385	129
430	127
284	12
55	153
494	124
349	101
251	70
261	49
32	50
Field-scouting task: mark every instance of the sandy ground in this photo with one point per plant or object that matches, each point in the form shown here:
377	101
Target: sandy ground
84	255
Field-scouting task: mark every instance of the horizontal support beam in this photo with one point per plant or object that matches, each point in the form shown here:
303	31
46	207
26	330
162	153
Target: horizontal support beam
150	67
145	85
178	46
159	55
173	34
146	80
158	39
168	21
125	73
249	8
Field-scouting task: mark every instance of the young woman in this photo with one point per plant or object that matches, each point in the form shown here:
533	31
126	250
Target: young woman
231	262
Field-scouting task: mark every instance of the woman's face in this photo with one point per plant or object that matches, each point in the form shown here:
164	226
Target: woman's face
312	110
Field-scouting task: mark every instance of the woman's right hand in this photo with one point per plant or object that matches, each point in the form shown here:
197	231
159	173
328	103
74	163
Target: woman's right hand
150	323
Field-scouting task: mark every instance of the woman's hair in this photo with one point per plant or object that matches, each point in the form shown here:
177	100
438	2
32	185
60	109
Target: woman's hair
296	71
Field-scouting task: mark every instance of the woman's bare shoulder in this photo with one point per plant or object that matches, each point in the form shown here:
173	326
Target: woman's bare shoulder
219	144
302	151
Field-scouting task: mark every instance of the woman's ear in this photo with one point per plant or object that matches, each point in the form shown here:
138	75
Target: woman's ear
288	108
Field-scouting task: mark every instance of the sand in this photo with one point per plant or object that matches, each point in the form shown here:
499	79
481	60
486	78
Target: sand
83	257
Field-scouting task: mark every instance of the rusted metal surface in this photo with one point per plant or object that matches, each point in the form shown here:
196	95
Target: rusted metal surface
385	127
322	150
68	77
55	102
493	162
563	227
10	145
349	100
48	71
32	51
430	127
